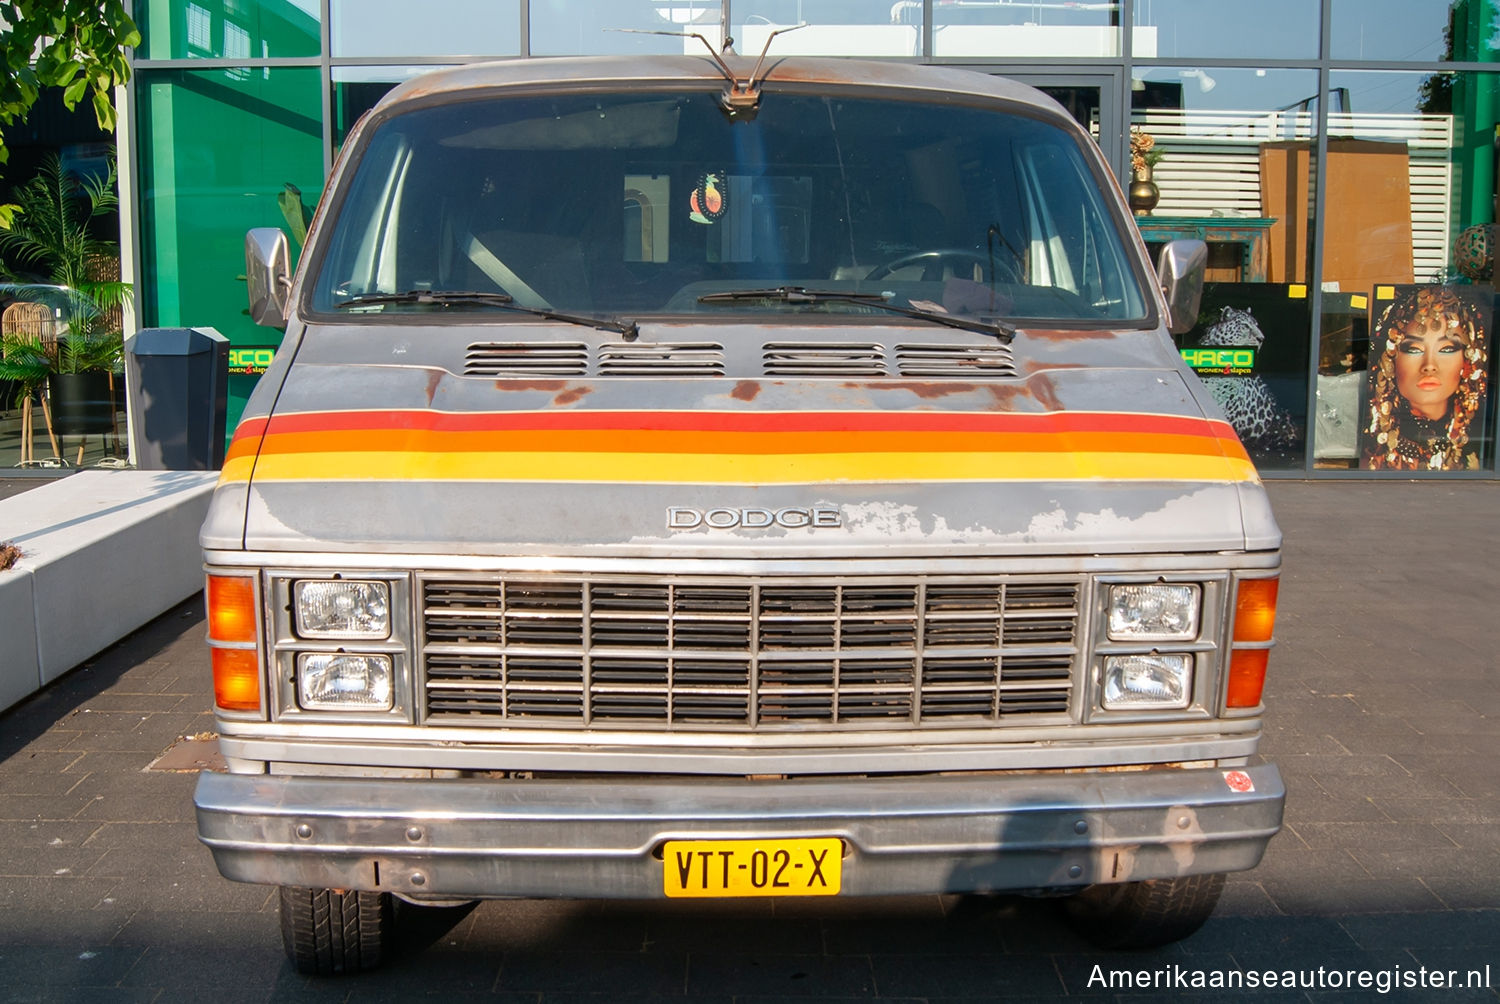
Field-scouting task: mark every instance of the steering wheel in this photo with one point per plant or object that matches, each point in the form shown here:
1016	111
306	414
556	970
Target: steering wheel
963	261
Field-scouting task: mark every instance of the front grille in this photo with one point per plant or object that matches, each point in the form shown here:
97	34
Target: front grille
748	655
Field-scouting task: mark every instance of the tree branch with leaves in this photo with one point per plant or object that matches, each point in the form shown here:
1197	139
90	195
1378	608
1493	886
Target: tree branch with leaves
78	45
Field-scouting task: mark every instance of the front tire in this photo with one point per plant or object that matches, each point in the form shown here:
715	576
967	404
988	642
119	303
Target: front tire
331	933
1144	914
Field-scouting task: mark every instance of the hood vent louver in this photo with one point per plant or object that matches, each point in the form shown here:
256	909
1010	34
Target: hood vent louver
955	361
841	359
699	359
527	359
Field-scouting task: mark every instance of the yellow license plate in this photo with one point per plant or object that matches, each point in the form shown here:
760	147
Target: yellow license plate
792	867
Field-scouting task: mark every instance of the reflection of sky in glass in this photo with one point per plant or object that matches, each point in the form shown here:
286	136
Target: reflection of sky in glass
1401	29
1235	89
400	28
1265	29
1373	92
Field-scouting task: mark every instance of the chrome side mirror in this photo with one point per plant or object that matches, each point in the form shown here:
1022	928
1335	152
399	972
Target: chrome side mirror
268	271
1180	269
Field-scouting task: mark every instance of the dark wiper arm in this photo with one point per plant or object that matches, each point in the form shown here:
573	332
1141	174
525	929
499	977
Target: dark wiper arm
791	294
441	298
796	294
503	301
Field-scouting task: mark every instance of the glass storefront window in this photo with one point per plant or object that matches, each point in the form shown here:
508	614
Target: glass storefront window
373	28
834	27
1226	29
1404	362
221	151
591	27
1414	30
357	89
229	29
1006	29
1229	153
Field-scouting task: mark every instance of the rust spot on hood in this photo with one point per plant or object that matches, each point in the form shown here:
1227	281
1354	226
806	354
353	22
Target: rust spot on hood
569	396
926	391
746	390
1045	392
544	385
1072	335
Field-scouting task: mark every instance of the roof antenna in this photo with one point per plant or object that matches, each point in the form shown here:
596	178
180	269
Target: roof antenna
740	99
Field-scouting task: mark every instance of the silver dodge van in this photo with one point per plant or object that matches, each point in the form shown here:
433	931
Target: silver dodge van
683	477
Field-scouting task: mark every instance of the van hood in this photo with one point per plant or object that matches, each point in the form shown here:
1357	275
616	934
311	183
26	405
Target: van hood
372	450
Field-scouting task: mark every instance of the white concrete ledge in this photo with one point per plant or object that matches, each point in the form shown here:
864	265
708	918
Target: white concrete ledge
103	552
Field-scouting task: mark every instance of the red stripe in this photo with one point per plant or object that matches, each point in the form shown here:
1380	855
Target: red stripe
717	421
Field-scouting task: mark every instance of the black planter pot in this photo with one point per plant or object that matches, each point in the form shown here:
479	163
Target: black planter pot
82	403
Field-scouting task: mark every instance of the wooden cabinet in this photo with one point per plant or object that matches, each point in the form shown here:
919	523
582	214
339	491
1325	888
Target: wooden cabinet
1236	246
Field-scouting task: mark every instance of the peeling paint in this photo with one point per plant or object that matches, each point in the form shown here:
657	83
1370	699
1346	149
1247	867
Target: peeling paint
746	390
569	397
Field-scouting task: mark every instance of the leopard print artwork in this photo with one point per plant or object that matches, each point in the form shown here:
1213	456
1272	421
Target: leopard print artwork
1263	424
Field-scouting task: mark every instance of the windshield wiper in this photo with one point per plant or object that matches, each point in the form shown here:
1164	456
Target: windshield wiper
502	301
797	294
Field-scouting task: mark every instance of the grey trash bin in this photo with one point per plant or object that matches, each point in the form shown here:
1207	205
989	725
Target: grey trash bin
177	380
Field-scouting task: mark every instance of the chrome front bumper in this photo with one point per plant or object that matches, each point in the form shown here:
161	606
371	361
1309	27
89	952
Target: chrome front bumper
601	839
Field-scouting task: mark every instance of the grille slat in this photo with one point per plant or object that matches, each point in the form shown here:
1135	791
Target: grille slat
748	655
970	361
526	359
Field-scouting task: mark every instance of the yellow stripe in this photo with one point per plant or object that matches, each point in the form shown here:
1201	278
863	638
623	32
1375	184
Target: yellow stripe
667	468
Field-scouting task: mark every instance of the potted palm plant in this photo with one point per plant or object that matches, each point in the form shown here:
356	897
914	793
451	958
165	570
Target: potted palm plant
78	359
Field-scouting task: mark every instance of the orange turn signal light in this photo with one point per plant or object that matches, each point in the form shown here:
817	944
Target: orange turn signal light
1255	609
231	608
236	679
1247	677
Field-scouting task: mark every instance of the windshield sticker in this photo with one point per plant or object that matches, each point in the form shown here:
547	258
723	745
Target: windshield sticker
708	199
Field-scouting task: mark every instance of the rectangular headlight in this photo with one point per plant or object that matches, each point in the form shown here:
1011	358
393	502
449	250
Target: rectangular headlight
342	608
342	682
1147	682
1153	611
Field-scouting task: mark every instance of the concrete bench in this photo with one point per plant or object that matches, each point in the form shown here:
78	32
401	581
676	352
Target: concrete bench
103	552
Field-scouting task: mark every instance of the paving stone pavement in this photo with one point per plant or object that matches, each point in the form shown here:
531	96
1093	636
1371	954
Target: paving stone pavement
1384	699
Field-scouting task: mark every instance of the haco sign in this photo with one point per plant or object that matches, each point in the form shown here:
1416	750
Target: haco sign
251	359
792	518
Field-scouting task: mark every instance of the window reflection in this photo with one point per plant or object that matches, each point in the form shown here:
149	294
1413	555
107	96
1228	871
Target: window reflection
1227	29
1414	30
834	27
1005	28
594	27
229	29
387	28
1230	152
1408	243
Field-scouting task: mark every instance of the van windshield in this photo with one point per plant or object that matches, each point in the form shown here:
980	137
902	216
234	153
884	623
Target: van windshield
658	203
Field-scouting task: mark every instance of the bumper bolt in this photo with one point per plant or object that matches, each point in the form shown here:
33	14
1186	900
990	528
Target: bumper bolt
1081	827
304	831
414	834
1074	871
417	878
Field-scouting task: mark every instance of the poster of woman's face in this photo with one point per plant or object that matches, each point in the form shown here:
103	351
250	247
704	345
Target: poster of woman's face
1426	390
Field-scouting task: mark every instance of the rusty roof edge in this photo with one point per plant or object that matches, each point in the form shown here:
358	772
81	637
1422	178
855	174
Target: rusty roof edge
573	71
